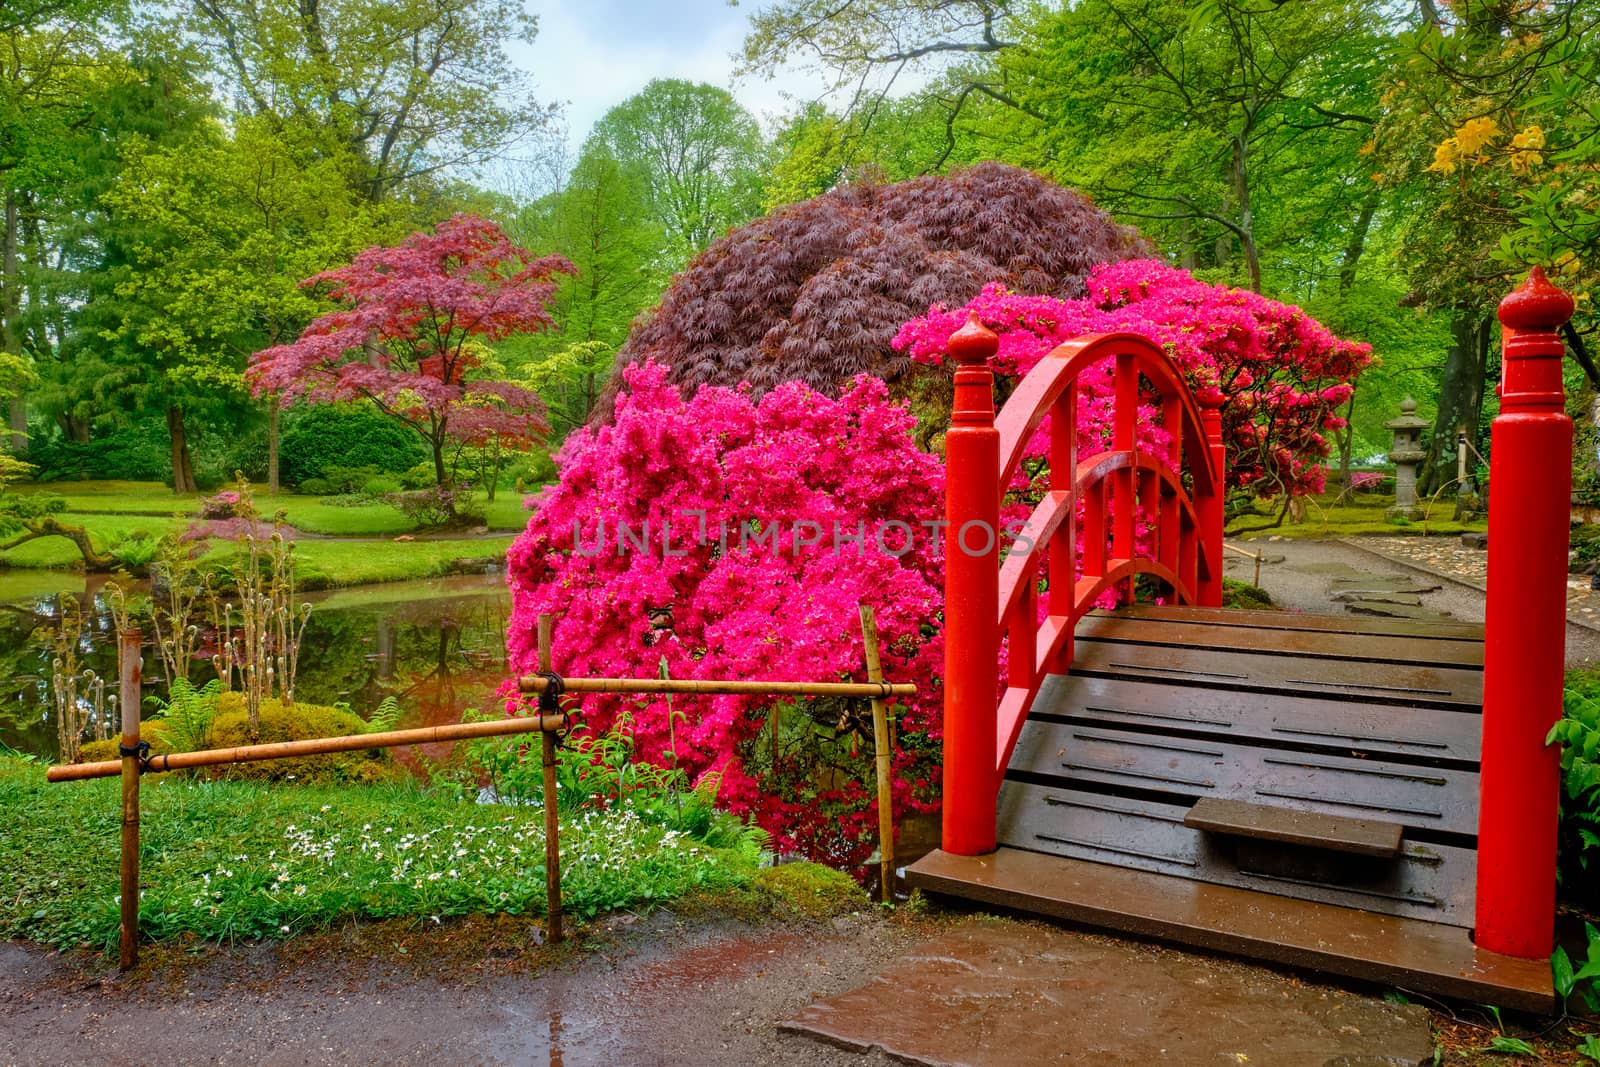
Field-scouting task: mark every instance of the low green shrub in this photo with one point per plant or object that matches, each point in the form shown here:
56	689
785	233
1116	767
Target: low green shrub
141	452
327	437
1237	594
211	718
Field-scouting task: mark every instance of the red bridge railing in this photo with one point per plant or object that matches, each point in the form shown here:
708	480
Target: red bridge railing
1117	488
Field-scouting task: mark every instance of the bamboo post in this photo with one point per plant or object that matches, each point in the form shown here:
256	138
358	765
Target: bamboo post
882	752
552	819
128	665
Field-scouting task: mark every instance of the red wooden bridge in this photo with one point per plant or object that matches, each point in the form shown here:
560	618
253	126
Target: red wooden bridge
1373	799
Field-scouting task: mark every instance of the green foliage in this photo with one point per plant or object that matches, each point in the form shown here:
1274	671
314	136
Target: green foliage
136	452
1589	1047
188	715
1237	594
136	551
352	442
1583	982
232	859
1500	1044
598	772
1578	734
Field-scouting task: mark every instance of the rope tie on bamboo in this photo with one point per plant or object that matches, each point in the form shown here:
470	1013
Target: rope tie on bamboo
140	752
550	703
885	690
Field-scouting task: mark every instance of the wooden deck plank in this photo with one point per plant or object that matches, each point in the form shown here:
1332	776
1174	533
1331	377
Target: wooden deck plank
1346	726
1429	799
1308	829
1294	620
1338	645
1405	953
1377	683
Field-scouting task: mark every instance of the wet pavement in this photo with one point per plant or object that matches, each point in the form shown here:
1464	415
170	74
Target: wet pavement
1347	577
992	994
667	990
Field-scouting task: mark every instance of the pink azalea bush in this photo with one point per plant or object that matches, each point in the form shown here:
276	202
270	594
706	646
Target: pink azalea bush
1282	374
748	513
227	504
675	534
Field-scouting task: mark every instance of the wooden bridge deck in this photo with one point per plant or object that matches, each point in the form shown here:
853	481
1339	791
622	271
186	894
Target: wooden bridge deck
1365	730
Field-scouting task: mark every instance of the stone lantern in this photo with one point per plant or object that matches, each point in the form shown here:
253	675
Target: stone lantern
1405	455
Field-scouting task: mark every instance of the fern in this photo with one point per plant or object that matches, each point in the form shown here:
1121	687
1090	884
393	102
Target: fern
1578	734
384	717
188	714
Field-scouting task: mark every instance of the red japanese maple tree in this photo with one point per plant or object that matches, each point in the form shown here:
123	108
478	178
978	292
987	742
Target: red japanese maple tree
412	336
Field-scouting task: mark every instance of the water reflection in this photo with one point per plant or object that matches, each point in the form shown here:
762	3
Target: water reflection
437	647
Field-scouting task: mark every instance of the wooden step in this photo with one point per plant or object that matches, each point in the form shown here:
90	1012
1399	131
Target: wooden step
1401	684
1347	727
1426	880
1317	644
1294	620
1404	953
1432	799
1307	829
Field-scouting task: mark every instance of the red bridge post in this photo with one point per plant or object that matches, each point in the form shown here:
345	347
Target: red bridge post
1530	486
972	593
1212	514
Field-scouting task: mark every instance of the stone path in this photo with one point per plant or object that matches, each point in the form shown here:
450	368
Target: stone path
994	994
1365	575
1448	556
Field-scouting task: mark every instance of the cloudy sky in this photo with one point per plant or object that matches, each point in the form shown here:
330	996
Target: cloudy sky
593	54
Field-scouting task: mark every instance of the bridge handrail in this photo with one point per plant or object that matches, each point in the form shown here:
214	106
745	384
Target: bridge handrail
1112	486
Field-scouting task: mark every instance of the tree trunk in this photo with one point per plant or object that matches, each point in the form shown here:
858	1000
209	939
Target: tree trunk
182	468
10	310
438	460
1358	240
18	422
1247	230
1460	398
1347	440
272	444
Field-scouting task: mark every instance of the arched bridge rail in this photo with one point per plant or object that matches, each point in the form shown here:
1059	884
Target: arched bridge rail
1132	483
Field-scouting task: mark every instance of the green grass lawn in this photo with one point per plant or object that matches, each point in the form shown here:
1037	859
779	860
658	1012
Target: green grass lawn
308	513
319	564
230	859
115	511
1352	517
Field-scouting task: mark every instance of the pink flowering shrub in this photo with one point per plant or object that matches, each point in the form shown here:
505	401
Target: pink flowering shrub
1366	481
735	539
227	504
1282	374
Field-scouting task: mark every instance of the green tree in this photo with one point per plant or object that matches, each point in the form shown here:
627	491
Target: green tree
697	153
603	222
232	221
401	90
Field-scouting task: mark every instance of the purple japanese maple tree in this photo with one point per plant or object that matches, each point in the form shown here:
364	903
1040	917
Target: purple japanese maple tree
412	332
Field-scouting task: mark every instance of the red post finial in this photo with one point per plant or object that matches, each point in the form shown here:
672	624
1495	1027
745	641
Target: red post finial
1536	305
974	344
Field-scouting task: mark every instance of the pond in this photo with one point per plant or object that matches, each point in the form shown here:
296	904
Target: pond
437	647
